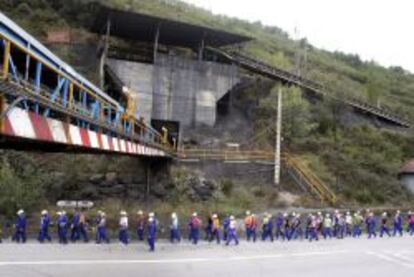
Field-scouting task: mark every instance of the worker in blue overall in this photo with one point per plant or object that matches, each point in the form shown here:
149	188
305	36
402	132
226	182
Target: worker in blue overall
398	224
267	227
62	225
151	231
141	220
296	231
44	227
97	220
20	227
232	235
226	225
194	226
372	225
279	227
313	229
384	226
209	228
101	229
123	228
175	235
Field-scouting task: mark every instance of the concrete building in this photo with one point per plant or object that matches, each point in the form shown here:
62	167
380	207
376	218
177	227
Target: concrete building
165	64
406	175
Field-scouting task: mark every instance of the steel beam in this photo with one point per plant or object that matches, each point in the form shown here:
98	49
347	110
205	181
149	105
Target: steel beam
6	59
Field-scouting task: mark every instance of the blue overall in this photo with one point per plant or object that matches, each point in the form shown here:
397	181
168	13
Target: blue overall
123	235
20	231
44	228
101	231
372	226
252	232
152	233
313	232
357	231
78	229
279	225
384	228
232	235
209	229
327	232
97	221
175	235
226	225
287	229
194	230
296	230
140	229
398	226
267	230
62	224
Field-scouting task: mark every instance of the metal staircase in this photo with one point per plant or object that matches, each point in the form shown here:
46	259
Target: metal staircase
306	178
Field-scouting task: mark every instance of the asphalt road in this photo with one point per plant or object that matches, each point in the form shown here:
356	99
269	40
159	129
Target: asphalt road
347	258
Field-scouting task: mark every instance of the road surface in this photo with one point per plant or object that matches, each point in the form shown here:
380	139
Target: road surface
340	258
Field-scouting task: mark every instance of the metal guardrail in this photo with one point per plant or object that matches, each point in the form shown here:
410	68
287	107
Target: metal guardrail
28	92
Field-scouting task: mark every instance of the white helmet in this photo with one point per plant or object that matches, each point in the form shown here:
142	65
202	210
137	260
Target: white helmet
232	217
285	215
63	212
19	212
214	215
44	212
140	212
103	214
327	215
194	214
247	212
59	213
384	214
151	214
319	213
348	213
123	213
173	215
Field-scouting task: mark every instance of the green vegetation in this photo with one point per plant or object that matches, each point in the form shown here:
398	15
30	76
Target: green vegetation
358	160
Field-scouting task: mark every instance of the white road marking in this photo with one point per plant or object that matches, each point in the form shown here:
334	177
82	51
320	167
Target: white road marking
170	261
390	259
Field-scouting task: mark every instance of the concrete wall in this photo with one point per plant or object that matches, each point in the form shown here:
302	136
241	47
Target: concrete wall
176	88
408	181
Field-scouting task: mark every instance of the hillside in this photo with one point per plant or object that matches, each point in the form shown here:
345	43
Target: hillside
356	158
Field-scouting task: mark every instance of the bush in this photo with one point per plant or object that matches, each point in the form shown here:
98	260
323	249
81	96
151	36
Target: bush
227	187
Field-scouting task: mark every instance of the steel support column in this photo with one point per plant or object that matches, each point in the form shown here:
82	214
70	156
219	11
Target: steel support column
157	36
104	55
6	59
2	108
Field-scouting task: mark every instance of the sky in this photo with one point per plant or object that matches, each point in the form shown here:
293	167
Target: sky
379	30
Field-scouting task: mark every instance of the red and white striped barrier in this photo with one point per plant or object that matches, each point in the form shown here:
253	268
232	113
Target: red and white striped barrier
21	123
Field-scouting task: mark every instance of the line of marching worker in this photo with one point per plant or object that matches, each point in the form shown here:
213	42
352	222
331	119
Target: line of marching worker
279	227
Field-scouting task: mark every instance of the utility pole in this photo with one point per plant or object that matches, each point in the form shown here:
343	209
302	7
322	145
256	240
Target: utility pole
278	137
